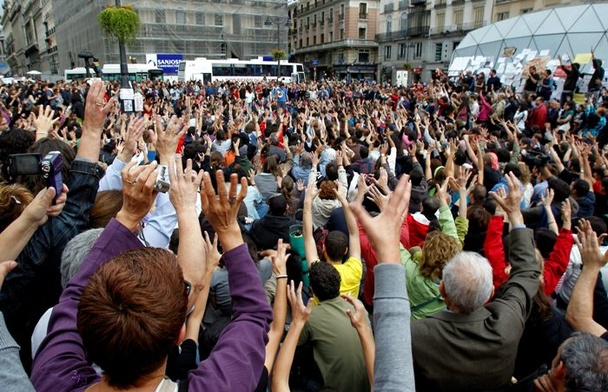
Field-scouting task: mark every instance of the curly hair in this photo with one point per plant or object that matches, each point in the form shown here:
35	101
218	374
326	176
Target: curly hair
327	190
438	249
13	200
324	280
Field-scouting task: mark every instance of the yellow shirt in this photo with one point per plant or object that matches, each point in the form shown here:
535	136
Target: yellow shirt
350	272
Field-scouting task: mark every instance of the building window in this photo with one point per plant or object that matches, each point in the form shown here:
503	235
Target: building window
418	50
180	17
478	17
362	32
341	11
458	18
438	51
455	45
331	36
362	10
341	34
314	40
387	52
307	41
160	16
257	21
402	51
403	21
526	10
200	18
364	55
341	57
300	42
219	19
322	38
502	16
389	25
440	22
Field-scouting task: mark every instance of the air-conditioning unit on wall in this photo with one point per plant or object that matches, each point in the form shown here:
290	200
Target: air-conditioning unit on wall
446	53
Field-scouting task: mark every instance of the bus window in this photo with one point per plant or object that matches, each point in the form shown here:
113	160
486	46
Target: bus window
155	74
219	69
241	70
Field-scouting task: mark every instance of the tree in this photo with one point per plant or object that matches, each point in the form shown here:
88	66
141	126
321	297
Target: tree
121	23
278	55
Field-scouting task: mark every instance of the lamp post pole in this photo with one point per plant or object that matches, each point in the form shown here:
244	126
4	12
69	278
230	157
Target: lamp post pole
126	92
279	49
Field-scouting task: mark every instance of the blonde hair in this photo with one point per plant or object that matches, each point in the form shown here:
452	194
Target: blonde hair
438	249
13	200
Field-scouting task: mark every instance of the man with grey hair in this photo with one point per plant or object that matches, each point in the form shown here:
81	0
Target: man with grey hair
581	364
472	346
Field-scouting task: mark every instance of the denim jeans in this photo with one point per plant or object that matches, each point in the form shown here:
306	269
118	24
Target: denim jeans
33	287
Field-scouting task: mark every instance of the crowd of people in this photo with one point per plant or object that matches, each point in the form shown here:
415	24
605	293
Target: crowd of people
314	236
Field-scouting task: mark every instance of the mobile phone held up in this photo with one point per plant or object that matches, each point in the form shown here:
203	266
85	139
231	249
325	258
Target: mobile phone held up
48	167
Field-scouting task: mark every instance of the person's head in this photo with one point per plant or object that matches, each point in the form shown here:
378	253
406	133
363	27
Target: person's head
336	245
131	314
581	364
478	217
216	159
580	188
430	205
545	241
438	249
106	206
467	282
277	205
14	199
324	281
270	165
512	168
75	252
526	175
43	147
560	188
363	152
327	190
478	194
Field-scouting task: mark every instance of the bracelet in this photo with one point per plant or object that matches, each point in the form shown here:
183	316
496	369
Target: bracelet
281	277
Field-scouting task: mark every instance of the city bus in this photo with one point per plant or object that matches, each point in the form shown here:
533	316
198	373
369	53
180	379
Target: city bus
111	72
208	70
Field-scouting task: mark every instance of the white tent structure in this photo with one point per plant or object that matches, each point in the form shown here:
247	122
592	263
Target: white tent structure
563	30
511	46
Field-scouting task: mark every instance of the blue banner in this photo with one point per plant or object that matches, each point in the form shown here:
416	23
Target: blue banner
169	63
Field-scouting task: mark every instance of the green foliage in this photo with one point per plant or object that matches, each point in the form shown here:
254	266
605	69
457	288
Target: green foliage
120	23
407	66
278	54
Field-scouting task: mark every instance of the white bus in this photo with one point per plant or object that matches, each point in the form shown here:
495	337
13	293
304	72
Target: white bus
208	70
137	72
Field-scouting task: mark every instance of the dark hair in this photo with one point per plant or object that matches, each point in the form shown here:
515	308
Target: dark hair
324	280
581	187
545	241
597	224
363	152
131	312
561	189
331	171
336	244
430	205
513	168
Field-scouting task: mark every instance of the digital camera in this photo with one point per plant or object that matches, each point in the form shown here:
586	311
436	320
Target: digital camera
48	167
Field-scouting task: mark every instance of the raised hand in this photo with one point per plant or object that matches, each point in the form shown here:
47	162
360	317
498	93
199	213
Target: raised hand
138	193
511	202
134	132
184	185
96	108
589	246
547	199
222	208
311	192
213	254
383	231
279	259
44	121
168	138
463	177
357	316
299	312
378	197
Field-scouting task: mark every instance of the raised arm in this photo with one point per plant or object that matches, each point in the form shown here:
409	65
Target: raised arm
354	244
96	112
580	309
393	365
191	250
358	320
300	314
310	247
279	309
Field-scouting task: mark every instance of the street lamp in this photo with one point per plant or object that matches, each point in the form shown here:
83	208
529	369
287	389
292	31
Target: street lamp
278	21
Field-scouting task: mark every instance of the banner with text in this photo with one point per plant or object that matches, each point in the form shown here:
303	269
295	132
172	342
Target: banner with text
169	63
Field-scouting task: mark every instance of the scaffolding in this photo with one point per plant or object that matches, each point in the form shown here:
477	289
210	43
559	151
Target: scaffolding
192	28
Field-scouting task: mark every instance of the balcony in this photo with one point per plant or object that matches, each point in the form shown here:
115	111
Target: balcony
330	20
404	4
418	2
341	17
388	8
418	31
457	29
440	3
363	15
391	35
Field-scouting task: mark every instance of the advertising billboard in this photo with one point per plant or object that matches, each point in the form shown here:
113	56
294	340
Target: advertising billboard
169	63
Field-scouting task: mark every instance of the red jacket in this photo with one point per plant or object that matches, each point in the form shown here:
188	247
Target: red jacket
554	267
369	255
538	117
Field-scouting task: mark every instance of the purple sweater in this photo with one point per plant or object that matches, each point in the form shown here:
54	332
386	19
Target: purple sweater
235	364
